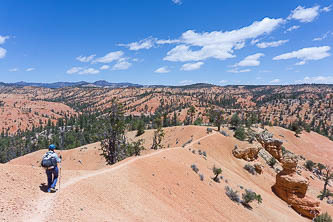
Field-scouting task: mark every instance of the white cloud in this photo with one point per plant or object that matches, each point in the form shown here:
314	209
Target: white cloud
217	44
167	41
142	44
3	39
239	71
223	81
3	53
294	27
304	14
275	81
322	37
13	70
191	66
74	70
254	41
316	79
104	67
122	64
178	2
163	69
264	45
186	82
306	54
29	69
89	71
85	58
251	60
327	8
110	57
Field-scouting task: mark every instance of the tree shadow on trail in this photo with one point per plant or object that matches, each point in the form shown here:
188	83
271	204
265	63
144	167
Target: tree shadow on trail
43	187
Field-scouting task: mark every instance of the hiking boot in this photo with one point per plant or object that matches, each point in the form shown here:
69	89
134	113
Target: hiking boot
53	190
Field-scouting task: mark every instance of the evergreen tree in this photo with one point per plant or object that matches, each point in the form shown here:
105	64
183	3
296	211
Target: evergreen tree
114	142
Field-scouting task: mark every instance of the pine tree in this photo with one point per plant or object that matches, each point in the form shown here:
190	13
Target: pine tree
114	142
328	175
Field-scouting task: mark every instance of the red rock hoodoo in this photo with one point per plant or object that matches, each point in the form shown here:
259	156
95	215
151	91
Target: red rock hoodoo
292	188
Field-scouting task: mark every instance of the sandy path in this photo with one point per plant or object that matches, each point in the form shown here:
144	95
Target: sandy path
47	200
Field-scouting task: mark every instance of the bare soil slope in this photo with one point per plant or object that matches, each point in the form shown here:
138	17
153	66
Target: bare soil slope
312	146
156	186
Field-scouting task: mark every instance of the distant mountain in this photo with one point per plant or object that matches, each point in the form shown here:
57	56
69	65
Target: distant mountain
54	85
195	86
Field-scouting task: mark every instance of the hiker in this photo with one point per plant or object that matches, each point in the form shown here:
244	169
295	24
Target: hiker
50	163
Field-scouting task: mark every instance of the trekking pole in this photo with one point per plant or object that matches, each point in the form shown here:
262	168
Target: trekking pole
60	178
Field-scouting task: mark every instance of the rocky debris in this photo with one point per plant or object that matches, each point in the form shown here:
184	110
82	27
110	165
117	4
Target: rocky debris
273	146
259	168
267	157
330	201
224	133
248	154
292	188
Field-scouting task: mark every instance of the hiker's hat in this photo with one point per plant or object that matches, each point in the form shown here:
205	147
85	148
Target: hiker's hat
52	147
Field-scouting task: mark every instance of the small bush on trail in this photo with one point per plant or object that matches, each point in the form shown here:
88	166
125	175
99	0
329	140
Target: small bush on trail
217	172
309	164
240	133
201	177
321	167
250	169
250	196
233	195
195	168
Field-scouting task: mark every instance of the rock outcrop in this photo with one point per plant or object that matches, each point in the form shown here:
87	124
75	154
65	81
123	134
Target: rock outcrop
259	168
248	154
267	157
273	146
292	188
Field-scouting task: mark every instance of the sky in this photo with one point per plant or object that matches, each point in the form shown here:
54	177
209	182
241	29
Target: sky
169	42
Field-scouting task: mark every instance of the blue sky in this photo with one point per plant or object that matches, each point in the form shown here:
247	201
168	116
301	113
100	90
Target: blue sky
171	42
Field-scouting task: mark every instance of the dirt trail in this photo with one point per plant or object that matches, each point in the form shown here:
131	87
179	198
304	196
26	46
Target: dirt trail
47	200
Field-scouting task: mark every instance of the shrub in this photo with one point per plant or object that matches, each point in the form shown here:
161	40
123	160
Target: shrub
323	195
250	196
141	128
233	195
199	152
193	151
201	177
323	218
135	148
309	164
195	168
272	162
321	167
217	172
240	133
250	169
188	142
284	151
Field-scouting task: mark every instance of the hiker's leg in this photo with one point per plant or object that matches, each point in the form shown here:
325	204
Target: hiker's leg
55	177
49	178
